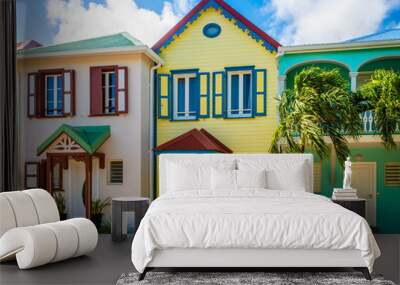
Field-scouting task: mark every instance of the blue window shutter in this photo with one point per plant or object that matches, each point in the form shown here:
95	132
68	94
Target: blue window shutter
204	93
164	105
219	90
260	92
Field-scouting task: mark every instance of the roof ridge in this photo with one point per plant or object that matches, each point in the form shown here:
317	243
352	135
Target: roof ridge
131	38
81	40
370	35
230	10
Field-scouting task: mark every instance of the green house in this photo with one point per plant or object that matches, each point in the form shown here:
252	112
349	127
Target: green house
376	171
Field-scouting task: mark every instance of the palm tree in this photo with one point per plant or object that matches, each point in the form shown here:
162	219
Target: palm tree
319	105
382	96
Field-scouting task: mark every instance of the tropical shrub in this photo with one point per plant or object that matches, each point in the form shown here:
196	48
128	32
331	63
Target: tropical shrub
320	105
382	96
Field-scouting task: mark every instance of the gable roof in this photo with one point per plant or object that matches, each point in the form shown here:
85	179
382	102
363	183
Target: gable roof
387	35
195	140
28	44
121	42
90	138
229	13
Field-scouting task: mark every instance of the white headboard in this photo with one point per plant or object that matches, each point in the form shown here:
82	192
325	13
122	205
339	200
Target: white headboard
199	159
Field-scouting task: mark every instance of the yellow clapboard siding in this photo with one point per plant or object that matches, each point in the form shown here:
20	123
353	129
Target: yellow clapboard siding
232	47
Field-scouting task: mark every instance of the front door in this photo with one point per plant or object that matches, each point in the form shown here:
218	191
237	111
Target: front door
74	184
364	180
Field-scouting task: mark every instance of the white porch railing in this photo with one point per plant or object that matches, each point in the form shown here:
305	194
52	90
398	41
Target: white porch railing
368	121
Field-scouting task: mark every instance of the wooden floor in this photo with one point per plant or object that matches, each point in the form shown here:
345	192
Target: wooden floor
110	260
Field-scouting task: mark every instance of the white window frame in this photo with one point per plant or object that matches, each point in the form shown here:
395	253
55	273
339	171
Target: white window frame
55	88
241	113
106	94
187	114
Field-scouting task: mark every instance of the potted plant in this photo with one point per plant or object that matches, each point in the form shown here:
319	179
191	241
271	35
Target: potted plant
60	201
98	206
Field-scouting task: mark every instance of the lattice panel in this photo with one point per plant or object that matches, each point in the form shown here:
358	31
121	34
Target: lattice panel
65	144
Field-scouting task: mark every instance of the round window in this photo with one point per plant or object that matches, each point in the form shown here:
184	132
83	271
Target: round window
211	30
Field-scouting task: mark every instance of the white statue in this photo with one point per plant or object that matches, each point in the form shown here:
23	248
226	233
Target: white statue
347	174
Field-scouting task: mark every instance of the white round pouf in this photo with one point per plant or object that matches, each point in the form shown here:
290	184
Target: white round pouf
87	235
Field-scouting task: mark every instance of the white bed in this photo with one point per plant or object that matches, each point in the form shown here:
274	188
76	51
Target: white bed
248	227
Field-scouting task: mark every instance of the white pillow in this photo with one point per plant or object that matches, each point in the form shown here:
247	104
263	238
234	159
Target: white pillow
293	180
251	178
290	174
182	177
223	179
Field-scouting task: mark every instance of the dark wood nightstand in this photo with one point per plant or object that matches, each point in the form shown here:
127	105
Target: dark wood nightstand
356	205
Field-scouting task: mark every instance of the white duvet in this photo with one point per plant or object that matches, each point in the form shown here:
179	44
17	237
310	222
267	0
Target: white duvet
250	219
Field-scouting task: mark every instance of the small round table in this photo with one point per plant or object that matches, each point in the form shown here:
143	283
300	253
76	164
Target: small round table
138	205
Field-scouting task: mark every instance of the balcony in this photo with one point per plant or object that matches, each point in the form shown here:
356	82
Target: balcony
368	122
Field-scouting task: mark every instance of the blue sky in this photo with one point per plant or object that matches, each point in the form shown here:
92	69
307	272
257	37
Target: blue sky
288	21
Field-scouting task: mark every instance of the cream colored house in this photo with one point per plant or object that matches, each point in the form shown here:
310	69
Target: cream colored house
85	112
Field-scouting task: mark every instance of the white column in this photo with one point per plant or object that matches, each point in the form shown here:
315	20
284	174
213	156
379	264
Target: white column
281	88
353	81
281	84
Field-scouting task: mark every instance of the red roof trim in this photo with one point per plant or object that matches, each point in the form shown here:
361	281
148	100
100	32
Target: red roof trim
195	140
228	8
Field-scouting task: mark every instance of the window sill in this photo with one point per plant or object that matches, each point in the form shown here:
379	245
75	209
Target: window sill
184	120
104	115
50	117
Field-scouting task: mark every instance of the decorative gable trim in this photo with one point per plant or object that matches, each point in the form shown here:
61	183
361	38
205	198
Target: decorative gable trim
229	13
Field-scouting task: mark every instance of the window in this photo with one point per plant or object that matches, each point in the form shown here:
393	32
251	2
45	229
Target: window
185	96
108	90
32	174
51	93
239	99
212	30
116	172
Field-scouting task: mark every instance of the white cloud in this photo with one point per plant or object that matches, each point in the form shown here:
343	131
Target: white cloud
73	21
319	21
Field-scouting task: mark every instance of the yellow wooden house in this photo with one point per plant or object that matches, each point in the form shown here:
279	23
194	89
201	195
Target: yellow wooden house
220	74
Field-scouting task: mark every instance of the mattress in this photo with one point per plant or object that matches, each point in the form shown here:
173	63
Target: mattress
250	219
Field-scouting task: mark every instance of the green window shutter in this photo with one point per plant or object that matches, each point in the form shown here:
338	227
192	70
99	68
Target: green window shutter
219	94
260	92
204	108
164	96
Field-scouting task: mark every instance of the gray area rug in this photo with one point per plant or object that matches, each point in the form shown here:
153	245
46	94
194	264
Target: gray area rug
233	278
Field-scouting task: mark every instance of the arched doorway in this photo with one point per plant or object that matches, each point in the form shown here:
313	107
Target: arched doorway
367	69
291	74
